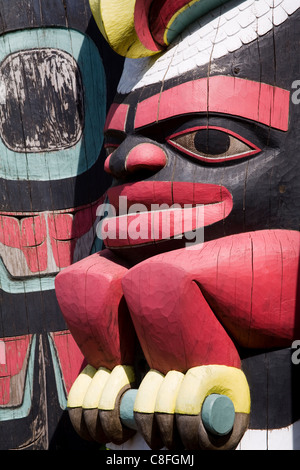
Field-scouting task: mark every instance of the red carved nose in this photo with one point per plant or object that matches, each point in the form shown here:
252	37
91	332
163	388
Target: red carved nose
144	156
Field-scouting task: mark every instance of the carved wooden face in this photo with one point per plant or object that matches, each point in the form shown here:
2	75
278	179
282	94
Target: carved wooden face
222	134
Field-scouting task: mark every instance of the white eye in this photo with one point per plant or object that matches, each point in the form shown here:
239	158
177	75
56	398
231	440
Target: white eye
212	144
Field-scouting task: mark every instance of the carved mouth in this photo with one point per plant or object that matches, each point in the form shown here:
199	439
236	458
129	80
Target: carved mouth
149	212
45	242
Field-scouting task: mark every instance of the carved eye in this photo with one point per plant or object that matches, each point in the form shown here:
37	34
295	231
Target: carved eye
212	144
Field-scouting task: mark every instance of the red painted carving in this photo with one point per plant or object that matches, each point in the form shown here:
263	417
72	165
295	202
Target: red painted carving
161	13
12	362
91	299
247	283
213	203
141	21
189	307
228	95
116	118
29	234
70	358
153	158
66	229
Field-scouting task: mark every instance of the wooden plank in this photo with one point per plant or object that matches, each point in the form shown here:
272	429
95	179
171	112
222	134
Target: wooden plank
53	99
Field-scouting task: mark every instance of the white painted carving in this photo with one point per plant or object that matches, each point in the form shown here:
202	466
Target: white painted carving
221	31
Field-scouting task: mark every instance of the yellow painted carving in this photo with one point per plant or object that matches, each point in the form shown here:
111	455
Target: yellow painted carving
168	391
120	377
199	382
147	392
80	387
95	389
115	19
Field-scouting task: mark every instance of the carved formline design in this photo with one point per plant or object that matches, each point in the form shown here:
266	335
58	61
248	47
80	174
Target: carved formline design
207	39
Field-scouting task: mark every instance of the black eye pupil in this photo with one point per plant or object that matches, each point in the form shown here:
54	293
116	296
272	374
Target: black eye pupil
212	142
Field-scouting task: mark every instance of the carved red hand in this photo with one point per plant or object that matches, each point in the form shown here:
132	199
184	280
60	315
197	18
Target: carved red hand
91	299
190	307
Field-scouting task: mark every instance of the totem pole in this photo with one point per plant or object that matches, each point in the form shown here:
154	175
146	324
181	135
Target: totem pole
188	317
53	104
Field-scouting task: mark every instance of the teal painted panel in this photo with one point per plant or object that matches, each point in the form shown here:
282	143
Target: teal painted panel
21	286
66	162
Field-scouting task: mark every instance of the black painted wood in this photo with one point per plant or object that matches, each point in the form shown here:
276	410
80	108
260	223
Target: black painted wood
274	381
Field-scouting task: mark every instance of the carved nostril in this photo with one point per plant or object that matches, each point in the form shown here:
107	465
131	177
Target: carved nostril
145	156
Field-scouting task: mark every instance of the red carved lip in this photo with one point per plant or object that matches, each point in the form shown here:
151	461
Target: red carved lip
177	204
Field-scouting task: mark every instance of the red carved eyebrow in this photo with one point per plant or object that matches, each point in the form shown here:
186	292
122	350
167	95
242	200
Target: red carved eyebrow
116	118
256	101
